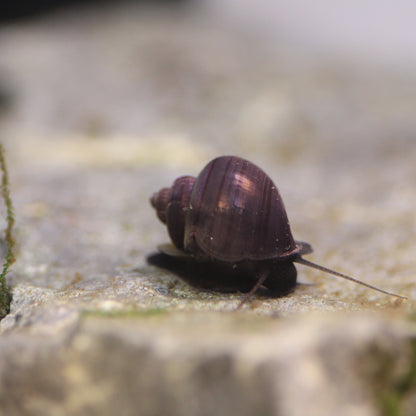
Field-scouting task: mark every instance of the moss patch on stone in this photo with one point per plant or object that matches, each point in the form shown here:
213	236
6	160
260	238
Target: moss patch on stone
124	313
396	400
5	297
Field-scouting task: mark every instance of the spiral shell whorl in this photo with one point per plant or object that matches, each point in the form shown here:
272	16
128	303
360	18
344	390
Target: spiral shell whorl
172	204
237	214
159	201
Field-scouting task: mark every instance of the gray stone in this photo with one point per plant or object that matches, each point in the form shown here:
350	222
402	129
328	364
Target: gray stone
97	123
204	364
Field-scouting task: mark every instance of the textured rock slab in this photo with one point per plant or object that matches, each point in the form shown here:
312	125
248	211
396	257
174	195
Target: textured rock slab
94	328
204	364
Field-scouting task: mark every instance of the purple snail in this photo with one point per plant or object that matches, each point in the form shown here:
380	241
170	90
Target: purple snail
233	214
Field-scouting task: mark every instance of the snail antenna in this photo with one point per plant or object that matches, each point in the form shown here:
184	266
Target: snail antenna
263	274
344	276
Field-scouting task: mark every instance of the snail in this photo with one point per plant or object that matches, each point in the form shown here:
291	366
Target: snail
232	214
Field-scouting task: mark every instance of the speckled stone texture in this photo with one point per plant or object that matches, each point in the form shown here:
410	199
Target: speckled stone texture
99	109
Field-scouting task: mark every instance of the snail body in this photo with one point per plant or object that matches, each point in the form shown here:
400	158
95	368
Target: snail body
232	213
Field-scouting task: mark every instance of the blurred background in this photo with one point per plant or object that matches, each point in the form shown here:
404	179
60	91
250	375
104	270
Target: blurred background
103	103
231	74
322	95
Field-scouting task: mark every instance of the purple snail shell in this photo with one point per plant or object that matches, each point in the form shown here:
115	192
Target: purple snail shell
233	214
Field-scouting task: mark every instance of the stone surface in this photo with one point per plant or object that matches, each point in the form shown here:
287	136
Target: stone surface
105	107
204	364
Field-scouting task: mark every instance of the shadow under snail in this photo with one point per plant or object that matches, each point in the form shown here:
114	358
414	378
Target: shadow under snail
232	214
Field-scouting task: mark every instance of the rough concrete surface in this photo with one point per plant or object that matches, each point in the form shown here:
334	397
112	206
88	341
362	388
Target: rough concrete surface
99	109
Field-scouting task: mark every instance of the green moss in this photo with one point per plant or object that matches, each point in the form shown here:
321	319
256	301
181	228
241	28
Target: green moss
412	316
125	313
390	404
5	193
392	398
